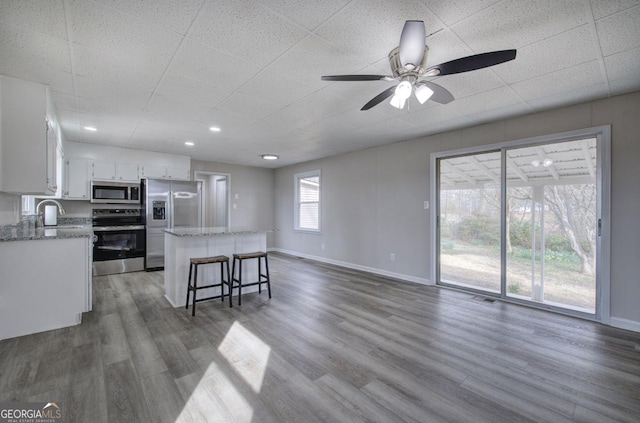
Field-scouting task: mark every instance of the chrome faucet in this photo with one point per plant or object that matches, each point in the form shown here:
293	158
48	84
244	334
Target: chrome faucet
39	222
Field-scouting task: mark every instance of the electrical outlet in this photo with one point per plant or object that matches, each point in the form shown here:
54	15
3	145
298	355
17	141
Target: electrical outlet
235	206
237	196
323	245
393	257
426	205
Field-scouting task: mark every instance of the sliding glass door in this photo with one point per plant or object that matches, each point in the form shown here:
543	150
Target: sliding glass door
522	223
470	221
551	224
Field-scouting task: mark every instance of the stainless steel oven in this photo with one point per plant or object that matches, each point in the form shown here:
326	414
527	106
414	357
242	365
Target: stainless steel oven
119	241
115	192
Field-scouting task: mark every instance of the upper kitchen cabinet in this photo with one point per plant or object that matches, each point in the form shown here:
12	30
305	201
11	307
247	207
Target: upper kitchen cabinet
30	138
180	173
113	171
76	179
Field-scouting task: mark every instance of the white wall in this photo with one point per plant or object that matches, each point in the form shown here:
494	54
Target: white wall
372	200
254	188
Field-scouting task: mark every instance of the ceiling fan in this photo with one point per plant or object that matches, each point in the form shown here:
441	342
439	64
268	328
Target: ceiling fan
408	65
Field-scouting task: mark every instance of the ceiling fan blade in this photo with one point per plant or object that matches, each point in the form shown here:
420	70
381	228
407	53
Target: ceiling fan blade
440	94
412	44
354	78
469	63
379	98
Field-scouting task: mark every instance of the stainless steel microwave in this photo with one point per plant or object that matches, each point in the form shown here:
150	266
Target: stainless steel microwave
115	192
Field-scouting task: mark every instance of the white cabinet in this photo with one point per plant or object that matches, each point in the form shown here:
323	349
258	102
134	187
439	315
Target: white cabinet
29	138
51	292
76	179
162	172
104	170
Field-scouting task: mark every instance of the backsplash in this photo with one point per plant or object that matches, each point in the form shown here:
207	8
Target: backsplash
28	223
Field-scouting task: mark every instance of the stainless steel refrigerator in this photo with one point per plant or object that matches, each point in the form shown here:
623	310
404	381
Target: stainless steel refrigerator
168	204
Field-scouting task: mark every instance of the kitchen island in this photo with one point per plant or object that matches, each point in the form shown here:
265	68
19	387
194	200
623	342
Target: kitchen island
182	244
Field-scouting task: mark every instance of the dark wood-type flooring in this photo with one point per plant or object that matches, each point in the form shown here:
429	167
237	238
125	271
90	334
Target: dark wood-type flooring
332	345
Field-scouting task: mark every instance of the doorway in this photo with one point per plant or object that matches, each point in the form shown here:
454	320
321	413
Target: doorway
524	221
215	198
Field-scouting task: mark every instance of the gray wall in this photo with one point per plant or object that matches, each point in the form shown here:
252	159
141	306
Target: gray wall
372	200
254	187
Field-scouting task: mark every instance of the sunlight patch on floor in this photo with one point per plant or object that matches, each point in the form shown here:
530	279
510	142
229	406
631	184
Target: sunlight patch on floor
247	354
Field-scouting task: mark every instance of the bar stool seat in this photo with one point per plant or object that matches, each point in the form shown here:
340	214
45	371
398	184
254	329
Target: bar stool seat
193	268
263	278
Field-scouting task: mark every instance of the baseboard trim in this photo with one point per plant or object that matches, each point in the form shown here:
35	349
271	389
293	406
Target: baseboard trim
625	324
353	266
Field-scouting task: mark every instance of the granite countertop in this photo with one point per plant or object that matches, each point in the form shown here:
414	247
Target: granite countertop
52	232
213	231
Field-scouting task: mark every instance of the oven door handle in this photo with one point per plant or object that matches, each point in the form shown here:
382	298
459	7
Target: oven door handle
118	228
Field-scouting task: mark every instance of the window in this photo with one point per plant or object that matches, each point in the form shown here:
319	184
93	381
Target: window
307	206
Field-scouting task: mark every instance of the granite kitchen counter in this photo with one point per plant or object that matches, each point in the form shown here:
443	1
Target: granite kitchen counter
214	231
53	232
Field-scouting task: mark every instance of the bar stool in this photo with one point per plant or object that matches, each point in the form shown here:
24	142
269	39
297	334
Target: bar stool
262	278
193	265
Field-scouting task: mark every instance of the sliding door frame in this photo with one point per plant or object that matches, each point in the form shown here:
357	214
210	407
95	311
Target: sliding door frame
603	189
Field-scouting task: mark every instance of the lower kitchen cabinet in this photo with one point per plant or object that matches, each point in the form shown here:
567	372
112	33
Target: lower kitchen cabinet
45	284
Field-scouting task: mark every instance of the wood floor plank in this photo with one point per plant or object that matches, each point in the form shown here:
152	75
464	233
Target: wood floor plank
125	399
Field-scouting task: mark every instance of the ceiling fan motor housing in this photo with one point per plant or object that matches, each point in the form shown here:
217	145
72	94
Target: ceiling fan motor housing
399	71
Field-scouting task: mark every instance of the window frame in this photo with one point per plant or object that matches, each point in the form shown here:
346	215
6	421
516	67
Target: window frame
296	202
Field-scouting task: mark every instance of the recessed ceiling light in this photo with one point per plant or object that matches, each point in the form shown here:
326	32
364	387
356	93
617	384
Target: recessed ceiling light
270	157
91	128
214	129
189	143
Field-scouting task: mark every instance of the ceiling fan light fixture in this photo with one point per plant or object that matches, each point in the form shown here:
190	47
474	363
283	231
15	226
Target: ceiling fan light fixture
423	93
412	44
397	101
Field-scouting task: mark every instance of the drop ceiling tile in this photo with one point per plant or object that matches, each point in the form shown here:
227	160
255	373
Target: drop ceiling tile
424	118
116	72
470	83
194	60
574	96
318	106
246	105
562	81
245	30
602	8
627	85
374	26
276	88
509	111
488	100
623	65
187	90
577	46
508	24
307	68
169	14
94	94
452	11
445	46
45	17
305	13
619	32
121	37
25	46
166	109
